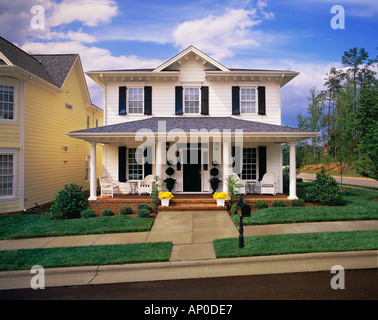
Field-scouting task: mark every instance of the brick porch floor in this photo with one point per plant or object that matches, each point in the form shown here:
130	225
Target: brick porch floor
180	202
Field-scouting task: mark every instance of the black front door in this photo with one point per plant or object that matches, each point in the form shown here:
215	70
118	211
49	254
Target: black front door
192	170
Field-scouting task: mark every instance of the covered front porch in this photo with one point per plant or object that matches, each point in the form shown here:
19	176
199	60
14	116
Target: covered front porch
192	151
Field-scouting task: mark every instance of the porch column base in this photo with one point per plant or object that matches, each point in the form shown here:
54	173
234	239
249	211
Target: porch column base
292	197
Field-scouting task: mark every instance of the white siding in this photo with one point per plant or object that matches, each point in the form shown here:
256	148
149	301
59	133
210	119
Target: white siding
192	74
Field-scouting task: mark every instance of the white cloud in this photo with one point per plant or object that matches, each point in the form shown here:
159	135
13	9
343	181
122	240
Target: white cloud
89	12
219	35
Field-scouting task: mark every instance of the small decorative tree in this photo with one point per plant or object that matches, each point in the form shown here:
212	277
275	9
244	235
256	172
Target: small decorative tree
214	181
156	187
232	190
325	190
69	202
170	182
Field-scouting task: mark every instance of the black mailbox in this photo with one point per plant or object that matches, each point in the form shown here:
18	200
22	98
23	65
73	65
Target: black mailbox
246	211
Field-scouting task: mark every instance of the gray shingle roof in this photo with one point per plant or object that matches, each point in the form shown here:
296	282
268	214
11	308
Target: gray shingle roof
51	68
57	65
191	123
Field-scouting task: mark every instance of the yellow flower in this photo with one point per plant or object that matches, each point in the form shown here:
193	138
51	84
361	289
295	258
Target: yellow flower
165	195
220	195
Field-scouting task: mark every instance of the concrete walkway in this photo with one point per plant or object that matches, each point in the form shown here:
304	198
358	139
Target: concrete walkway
193	256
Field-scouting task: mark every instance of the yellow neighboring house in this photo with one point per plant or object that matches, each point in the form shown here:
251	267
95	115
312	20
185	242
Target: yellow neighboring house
42	97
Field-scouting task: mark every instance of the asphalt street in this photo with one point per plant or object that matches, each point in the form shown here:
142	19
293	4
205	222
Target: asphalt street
356	181
359	285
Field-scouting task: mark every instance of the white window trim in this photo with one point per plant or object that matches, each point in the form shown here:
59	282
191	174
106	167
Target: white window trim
128	100
6	82
13	196
199	101
87	172
256	99
128	166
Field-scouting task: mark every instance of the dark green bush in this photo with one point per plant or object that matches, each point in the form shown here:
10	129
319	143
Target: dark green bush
234	208
143	210
69	202
325	190
125	211
279	203
107	212
297	203
88	213
261	204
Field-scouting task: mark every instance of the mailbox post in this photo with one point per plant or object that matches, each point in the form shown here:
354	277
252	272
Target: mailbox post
245	212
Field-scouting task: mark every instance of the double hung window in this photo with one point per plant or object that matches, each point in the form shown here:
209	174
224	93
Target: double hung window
191	100
7	102
8	163
248	100
135	100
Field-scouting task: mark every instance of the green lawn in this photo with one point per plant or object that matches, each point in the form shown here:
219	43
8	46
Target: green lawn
358	207
37	225
84	256
297	243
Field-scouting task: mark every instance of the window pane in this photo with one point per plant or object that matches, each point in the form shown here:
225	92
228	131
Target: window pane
135	168
6	102
248	100
135	100
249	164
191	100
6	175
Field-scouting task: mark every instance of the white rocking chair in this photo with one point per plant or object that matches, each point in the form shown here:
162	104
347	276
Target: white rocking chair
108	187
145	186
268	183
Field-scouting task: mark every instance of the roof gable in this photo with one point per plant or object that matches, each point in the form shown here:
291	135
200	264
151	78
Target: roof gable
176	59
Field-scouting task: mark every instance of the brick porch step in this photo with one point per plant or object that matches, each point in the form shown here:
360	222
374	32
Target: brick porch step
191	207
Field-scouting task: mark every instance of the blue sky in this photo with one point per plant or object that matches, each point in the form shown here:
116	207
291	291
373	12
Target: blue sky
266	34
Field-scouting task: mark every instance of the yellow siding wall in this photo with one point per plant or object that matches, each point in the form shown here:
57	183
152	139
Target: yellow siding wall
10	138
47	167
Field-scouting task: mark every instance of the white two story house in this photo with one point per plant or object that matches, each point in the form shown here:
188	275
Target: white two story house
192	114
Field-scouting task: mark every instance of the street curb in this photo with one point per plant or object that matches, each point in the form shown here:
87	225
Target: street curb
175	270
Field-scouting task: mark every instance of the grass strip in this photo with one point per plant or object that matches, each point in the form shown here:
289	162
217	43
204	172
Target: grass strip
85	256
36	225
358	207
297	243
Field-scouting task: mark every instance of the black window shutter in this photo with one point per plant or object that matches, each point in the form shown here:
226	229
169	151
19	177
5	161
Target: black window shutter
237	164
205	100
122	101
122	164
147	161
148	101
179	100
235	100
262	162
261	102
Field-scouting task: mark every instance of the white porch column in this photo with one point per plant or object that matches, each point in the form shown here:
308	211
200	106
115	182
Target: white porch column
159	158
93	182
226	163
293	173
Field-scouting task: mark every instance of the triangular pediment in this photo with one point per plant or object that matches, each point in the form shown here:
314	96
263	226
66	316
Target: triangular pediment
173	63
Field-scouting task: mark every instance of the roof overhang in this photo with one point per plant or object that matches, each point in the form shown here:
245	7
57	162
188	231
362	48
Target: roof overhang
13	71
102	77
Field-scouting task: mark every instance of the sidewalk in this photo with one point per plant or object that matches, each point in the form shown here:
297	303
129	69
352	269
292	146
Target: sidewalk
193	255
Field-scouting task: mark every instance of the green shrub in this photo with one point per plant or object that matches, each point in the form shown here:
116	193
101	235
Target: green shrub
325	190
69	202
107	212
297	203
261	204
88	213
279	203
125	211
234	208
143	210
